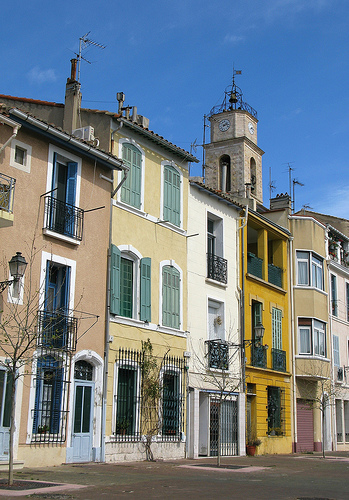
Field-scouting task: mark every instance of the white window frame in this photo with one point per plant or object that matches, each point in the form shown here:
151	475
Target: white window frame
313	261
26	166
317	335
131	253
218	232
134	365
121	174
171	164
219	306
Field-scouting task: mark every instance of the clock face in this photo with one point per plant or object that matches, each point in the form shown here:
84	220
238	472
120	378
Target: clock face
224	125
251	128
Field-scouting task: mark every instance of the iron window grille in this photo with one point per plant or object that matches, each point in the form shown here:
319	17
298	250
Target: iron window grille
276	407
63	218
278	360
254	265
57	330
51	398
7	191
218	354
131	419
258	356
217	268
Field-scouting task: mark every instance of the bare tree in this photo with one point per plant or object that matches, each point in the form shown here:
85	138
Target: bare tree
318	390
217	366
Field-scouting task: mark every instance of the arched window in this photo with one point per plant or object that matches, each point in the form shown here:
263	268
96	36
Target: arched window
253	174
83	370
225	174
131	189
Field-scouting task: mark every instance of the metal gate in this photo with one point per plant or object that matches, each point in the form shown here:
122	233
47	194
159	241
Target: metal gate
228	427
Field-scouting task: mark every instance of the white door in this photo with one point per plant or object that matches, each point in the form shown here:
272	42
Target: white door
82	438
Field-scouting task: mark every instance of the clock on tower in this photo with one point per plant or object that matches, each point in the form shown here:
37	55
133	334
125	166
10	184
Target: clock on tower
233	160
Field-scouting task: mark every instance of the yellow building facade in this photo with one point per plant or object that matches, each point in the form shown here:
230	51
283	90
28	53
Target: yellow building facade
148	296
264	265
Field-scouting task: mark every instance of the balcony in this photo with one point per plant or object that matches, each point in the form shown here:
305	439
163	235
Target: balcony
217	268
275	275
218	354
254	265
259	356
278	360
57	330
63	218
7	192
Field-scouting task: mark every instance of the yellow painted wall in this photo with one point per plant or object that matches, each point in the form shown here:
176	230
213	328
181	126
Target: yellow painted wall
270	296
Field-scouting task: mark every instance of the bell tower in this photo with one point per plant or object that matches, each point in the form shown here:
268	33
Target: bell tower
233	161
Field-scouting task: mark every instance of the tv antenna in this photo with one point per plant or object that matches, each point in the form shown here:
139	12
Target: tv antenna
84	42
271	184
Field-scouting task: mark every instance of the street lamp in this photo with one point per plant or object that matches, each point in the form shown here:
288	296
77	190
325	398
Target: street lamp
17	266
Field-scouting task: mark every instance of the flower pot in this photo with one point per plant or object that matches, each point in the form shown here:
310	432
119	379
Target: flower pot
250	449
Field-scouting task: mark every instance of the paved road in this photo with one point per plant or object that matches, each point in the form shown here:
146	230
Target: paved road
273	477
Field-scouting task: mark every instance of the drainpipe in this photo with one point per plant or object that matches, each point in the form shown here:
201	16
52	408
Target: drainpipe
293	349
242	300
107	325
15	132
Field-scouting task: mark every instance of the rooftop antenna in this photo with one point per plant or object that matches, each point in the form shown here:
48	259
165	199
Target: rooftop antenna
295	182
272	186
83	43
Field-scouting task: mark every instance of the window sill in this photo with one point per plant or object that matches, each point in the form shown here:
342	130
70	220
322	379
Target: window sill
150	218
216	283
312	356
147	326
62	237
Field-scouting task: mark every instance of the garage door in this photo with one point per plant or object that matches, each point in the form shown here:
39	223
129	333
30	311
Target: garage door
305	426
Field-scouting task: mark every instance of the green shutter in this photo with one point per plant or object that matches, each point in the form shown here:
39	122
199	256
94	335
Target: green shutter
115	280
131	189
336	357
170	297
145	314
277	328
172	195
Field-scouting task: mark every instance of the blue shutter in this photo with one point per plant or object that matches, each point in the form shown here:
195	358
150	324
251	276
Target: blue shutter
71	183
145	289
56	400
115	259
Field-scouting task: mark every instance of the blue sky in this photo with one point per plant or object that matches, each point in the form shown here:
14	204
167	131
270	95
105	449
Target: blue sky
173	61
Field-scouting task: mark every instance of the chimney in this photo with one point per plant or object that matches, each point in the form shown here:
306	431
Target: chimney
281	202
72	101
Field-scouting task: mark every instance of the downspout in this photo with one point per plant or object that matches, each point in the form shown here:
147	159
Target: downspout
242	299
15	132
107	314
293	348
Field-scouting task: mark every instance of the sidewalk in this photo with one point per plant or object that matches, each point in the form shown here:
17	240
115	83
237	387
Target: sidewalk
269	477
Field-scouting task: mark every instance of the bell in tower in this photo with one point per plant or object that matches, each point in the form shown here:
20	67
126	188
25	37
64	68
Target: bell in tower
233	160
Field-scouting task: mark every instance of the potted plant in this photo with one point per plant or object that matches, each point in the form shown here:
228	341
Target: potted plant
122	425
42	429
251	446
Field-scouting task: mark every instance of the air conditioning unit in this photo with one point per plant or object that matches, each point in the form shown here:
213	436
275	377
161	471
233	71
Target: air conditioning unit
85	133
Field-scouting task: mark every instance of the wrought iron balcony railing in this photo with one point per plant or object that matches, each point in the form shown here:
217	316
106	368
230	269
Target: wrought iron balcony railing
278	360
217	268
57	330
218	354
7	192
259	356
254	265
63	218
275	275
